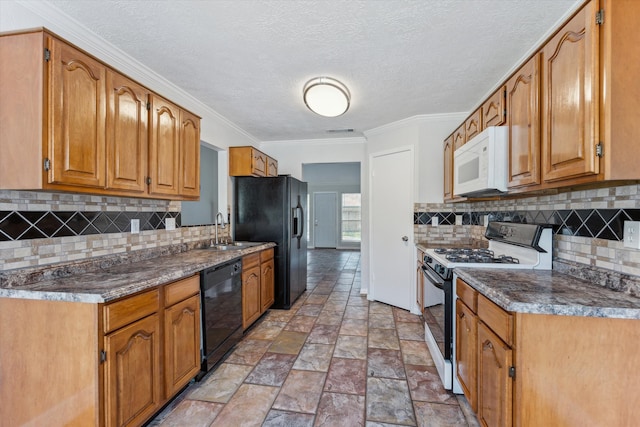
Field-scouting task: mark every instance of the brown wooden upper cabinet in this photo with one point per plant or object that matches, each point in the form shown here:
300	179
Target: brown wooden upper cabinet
448	168
459	137
494	109
249	161
570	99
78	114
572	108
174	150
590	100
127	133
71	123
473	125
523	119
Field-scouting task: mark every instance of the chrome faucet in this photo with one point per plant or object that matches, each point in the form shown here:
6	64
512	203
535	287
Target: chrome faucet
222	223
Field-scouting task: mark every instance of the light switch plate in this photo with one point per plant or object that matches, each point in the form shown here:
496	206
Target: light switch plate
135	226
631	234
458	219
434	221
170	224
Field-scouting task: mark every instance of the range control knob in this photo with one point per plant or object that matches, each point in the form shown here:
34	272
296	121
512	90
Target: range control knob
427	259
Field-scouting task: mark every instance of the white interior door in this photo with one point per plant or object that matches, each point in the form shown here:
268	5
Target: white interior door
325	220
391	231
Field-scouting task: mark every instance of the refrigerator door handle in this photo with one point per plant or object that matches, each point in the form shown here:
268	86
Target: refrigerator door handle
298	221
294	214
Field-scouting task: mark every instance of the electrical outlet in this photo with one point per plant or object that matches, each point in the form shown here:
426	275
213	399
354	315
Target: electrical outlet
631	234
434	221
458	219
170	224
135	226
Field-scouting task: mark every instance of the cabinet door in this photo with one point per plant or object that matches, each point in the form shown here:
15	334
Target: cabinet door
272	166
473	125
250	295
570	100
164	147
467	352
189	155
494	111
523	93
76	117
267	290
182	343
127	133
132	373
495	386
448	168
258	163
459	137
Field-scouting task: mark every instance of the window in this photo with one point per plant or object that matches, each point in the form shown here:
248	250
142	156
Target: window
350	218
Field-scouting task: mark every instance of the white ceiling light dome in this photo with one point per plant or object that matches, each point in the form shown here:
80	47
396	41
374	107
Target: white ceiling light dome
326	96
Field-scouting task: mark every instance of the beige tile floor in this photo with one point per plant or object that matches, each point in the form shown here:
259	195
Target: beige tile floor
334	359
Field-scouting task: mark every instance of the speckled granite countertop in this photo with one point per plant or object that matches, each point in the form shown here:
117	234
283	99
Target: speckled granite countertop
549	292
116	281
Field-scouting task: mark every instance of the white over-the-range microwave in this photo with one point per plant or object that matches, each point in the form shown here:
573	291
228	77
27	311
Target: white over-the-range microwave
480	166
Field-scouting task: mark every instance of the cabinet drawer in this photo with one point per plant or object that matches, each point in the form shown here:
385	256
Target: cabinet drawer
130	309
266	255
467	294
180	290
500	321
250	261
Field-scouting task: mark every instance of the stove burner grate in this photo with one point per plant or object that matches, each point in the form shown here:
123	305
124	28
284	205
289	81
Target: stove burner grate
478	256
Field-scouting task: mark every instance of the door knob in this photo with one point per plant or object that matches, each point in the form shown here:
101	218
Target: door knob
405	239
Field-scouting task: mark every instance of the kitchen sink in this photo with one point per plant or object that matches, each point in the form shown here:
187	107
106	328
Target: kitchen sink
234	246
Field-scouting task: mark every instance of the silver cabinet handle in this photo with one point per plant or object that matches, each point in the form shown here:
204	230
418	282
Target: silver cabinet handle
405	239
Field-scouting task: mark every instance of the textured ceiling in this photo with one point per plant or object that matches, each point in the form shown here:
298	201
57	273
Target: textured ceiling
248	60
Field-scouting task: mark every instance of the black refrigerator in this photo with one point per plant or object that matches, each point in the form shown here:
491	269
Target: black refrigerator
274	209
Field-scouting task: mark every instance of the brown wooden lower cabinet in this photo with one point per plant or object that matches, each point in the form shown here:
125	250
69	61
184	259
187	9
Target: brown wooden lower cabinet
543	369
267	277
466	352
182	343
250	289
258	290
132	372
89	364
494	383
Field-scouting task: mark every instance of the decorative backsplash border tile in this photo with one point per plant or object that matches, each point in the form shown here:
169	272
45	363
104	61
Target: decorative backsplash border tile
24	225
600	223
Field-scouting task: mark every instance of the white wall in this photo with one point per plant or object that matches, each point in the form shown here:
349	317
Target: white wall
426	134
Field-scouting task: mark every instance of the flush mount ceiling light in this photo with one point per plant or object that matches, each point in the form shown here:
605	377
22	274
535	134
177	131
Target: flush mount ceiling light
326	96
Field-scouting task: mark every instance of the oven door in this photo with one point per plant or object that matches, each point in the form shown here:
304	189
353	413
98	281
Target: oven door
433	287
438	312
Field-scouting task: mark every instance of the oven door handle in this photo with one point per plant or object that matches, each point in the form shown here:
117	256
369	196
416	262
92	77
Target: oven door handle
433	279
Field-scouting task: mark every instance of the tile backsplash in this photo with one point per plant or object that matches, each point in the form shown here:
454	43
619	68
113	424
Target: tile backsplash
38	228
587	223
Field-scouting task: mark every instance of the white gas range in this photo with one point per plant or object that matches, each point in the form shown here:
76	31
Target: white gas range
511	245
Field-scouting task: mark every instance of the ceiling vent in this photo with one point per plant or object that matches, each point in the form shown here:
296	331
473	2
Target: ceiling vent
340	131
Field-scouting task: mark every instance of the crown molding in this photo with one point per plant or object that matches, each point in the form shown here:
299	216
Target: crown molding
323	141
415	120
75	32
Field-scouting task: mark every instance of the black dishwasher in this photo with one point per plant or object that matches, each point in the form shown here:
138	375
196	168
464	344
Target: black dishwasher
221	295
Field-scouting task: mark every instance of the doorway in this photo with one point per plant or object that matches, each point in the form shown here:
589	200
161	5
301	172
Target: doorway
391	230
325	219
